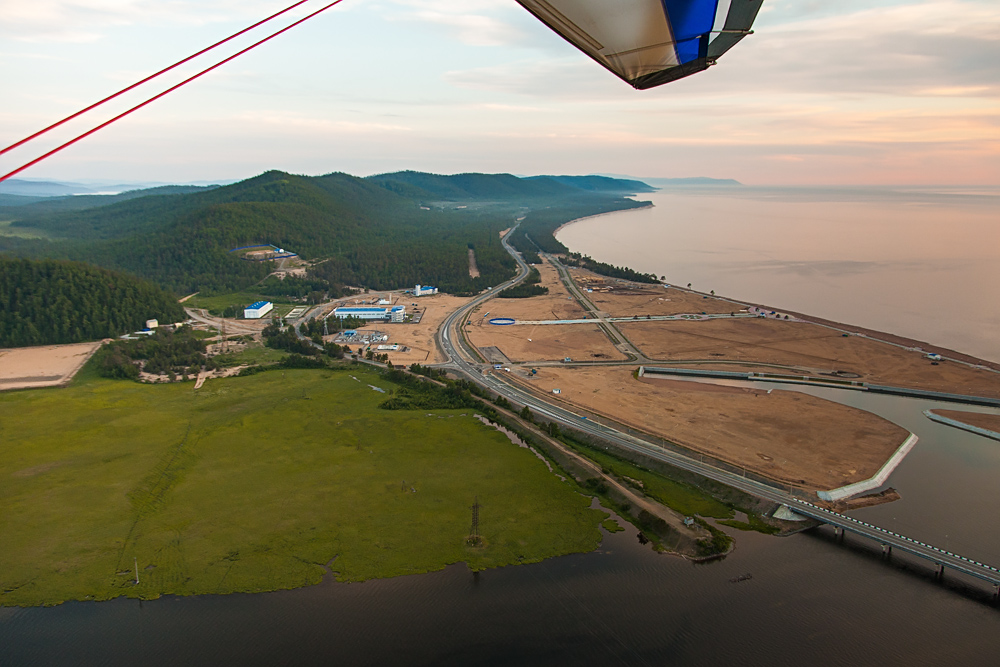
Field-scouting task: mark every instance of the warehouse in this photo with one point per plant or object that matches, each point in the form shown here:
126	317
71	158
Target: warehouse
393	314
257	310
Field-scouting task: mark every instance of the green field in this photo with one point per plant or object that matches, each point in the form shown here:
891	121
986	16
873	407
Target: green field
675	495
218	302
20	232
257	483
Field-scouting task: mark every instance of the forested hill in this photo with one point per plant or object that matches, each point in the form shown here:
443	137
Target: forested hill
374	232
48	302
502	187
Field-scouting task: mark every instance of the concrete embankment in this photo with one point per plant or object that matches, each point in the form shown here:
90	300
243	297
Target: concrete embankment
986	433
872	482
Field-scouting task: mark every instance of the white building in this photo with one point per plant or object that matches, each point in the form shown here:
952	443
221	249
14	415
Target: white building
424	290
391	314
255	311
152	324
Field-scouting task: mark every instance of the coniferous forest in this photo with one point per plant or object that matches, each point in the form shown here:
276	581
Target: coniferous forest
47	302
382	232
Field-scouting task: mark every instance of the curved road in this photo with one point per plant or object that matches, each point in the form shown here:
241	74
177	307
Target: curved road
462	359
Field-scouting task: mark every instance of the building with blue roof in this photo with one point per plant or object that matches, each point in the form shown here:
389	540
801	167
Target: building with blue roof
390	314
257	310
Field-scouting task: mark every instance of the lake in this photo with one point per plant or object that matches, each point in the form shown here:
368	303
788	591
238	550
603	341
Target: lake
921	263
622	604
809	601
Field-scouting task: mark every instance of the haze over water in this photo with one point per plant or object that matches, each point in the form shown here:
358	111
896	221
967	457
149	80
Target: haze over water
921	263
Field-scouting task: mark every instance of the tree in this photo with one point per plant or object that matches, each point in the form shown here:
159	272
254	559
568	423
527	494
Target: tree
525	413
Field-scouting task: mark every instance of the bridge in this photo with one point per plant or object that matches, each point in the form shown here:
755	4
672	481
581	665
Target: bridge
890	540
452	342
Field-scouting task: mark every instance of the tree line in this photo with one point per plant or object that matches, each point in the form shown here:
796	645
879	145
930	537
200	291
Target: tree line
47	302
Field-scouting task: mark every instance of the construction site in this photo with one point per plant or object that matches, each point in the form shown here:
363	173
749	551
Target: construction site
580	345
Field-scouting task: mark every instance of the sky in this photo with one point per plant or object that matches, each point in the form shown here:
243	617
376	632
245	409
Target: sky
849	92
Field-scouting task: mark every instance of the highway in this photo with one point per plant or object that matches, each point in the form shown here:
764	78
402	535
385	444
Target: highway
452	343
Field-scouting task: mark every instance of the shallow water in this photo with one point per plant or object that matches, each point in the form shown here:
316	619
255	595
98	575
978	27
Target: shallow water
916	263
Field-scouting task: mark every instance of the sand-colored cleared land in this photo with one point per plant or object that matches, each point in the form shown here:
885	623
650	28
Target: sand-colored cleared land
420	337
806	346
556	305
785	435
549	342
978	419
622	299
46	366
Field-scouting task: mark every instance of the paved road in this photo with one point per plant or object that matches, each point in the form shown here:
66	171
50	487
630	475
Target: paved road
618	339
461	360
939	556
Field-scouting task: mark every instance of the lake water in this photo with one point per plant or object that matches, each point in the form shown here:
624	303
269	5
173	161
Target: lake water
810	600
919	263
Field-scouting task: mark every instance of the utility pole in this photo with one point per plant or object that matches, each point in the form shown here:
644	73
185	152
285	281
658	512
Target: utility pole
475	537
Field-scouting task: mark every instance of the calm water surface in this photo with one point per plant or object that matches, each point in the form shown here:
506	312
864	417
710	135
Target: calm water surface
623	604
810	601
919	263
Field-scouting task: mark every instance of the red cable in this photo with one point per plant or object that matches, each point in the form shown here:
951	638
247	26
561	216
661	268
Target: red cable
150	77
165	92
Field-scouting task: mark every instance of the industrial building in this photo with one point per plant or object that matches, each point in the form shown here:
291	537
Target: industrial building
392	314
424	290
255	311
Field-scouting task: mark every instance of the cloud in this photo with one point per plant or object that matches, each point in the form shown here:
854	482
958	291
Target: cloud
472	22
89	20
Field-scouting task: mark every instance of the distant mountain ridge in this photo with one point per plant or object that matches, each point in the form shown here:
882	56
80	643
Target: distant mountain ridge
500	186
594	183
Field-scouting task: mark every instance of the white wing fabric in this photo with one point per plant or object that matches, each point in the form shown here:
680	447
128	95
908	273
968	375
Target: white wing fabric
649	42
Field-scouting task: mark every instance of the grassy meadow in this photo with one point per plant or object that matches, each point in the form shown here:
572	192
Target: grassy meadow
259	483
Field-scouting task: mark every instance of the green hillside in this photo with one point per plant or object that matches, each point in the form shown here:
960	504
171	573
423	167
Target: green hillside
376	232
48	302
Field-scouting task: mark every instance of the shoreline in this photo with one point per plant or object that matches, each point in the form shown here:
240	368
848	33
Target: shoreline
599	215
875	334
886	337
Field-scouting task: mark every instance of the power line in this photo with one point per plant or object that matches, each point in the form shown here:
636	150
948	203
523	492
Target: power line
167	91
150	78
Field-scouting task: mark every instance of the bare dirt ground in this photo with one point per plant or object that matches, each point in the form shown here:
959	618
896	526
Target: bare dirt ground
420	337
473	268
806	346
46	366
549	342
556	305
977	419
233	327
623	299
784	435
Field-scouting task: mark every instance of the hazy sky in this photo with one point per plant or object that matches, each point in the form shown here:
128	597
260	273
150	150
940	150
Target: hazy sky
825	92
